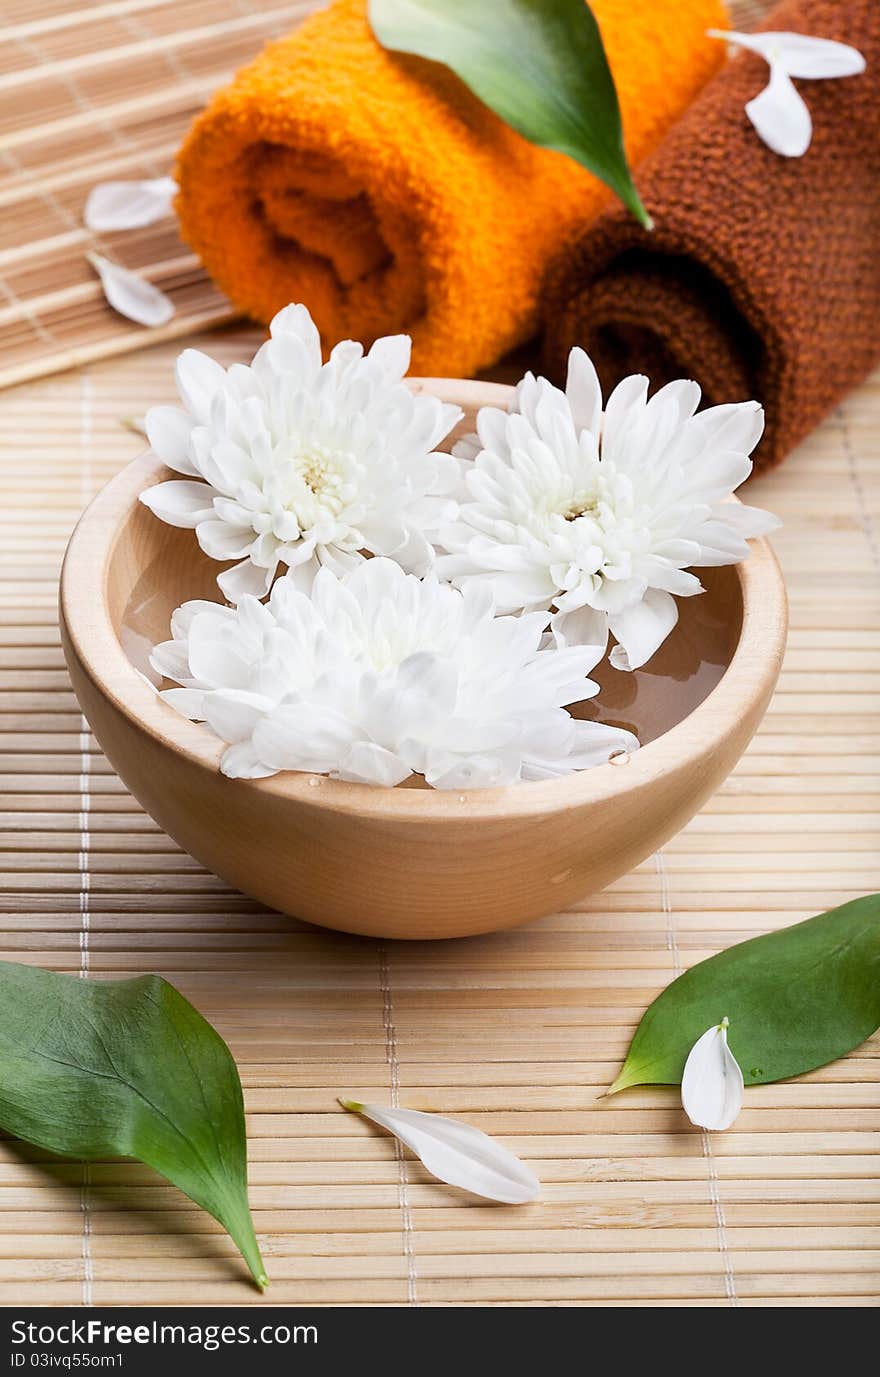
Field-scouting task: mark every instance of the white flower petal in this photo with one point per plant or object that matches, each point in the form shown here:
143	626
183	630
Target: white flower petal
747	521
129	205
179	502
816	58
296	322
306	736
242	762
367	763
583	626
392	355
781	117
199	379
221	540
233	713
467	447
169	431
132	296
641	629
798	54
183	617
217	664
245	580
712	1082
189	702
456	1153
584	392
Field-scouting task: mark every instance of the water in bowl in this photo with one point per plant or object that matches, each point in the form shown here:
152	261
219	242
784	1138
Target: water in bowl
648	701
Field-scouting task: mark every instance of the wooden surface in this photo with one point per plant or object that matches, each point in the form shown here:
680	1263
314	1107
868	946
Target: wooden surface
517	1032
99	92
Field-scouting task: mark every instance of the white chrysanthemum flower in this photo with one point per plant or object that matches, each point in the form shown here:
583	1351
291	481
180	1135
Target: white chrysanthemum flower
376	675
303	463
596	518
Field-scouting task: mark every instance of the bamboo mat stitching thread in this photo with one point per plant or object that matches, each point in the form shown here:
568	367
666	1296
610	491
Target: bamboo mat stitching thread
713	1182
858	487
140	31
402	1168
80	100
85	801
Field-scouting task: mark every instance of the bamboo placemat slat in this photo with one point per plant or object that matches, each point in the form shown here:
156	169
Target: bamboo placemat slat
100	92
518	1032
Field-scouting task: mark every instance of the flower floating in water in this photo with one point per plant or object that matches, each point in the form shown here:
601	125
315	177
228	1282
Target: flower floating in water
712	1082
377	675
779	113
303	464
596	518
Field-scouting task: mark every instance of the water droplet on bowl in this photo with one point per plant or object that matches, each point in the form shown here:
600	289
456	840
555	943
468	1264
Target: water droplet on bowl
313	782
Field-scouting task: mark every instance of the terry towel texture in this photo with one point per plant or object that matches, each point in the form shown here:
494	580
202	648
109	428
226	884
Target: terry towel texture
377	190
762	275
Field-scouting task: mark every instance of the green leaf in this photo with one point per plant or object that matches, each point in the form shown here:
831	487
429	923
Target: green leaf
539	64
796	999
100	1068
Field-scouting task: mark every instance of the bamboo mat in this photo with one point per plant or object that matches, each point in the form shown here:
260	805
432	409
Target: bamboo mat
518	1032
104	92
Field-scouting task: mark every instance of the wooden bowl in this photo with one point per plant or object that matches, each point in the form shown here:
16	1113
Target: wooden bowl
409	862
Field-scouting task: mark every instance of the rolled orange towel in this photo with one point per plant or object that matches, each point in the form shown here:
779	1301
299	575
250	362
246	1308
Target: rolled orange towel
376	189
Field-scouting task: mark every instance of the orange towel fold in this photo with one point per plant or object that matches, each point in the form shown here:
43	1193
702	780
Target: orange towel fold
377	190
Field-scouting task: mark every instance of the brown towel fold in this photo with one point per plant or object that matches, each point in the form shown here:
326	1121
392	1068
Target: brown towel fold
762	275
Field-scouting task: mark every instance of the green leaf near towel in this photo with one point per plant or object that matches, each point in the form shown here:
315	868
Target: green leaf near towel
796	999
539	64
95	1068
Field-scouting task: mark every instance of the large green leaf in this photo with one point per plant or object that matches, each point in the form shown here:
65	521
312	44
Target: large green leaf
539	64
796	999
95	1068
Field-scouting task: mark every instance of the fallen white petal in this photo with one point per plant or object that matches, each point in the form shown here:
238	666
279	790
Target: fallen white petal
781	117
799	54
456	1153
129	205
712	1082
130	295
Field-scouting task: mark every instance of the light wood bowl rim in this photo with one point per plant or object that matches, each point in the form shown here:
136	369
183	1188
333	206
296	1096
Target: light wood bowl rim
749	677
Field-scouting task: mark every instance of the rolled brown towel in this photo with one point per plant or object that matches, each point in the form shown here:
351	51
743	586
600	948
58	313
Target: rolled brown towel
761	277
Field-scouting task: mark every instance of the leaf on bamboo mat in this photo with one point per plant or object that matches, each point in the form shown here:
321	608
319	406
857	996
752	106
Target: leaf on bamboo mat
101	1068
132	296
129	205
796	999
539	64
456	1153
